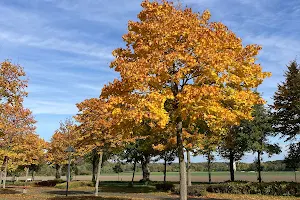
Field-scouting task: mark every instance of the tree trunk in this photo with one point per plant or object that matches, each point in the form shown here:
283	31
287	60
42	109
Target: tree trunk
189	176
183	185
145	168
1	177
165	170
259	166
26	173
209	166
57	171
68	175
231	167
2	171
98	173
32	175
5	171
133	173
95	157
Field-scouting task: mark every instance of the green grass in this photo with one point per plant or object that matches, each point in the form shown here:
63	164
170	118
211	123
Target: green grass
75	184
225	173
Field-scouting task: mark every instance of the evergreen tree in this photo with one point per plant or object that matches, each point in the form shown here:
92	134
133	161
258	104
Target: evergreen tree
292	160
287	103
259	130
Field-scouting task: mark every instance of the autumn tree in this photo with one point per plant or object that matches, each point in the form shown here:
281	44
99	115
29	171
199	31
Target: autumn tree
201	67
95	130
31	149
63	138
14	118
287	103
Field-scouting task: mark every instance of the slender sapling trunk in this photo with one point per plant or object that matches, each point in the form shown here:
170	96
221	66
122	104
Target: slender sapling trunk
189	176
98	173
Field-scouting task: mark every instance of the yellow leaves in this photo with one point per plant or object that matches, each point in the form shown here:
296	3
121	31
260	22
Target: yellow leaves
174	54
63	137
206	15
116	111
159	147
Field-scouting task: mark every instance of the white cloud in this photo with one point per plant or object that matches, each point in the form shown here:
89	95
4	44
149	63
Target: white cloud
76	47
51	107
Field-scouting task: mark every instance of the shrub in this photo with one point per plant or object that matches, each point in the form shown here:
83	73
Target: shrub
49	183
164	186
194	190
272	188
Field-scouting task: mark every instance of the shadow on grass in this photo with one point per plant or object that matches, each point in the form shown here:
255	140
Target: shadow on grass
62	192
127	189
127	198
9	191
89	198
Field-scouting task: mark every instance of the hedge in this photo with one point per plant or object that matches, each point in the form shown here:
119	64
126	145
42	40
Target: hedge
49	183
194	190
270	188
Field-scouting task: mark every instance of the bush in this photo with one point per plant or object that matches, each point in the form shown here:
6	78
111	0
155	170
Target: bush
194	190
49	183
165	186
272	188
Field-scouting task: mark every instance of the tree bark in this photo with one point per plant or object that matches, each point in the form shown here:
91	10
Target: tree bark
165	170
183	182
26	173
145	168
259	166
94	164
2	171
5	171
209	166
58	171
133	173
98	173
189	176
231	167
32	175
1	177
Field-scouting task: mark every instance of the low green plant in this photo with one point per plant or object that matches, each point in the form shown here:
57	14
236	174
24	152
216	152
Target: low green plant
270	188
164	186
49	183
75	184
194	190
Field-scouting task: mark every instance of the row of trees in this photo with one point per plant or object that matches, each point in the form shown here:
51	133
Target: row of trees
185	82
186	85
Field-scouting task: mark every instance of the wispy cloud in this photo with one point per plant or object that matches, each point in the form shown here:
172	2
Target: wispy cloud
58	44
65	45
52	107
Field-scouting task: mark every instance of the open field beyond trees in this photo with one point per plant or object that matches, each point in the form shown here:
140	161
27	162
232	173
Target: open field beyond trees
174	176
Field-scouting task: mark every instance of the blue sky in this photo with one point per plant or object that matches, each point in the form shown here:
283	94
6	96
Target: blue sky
65	45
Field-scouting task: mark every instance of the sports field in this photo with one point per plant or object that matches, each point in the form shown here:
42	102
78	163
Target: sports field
196	176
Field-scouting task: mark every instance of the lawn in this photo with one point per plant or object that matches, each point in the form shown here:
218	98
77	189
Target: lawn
113	191
196	176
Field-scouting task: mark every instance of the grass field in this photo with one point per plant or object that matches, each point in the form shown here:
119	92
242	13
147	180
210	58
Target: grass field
116	191
196	176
